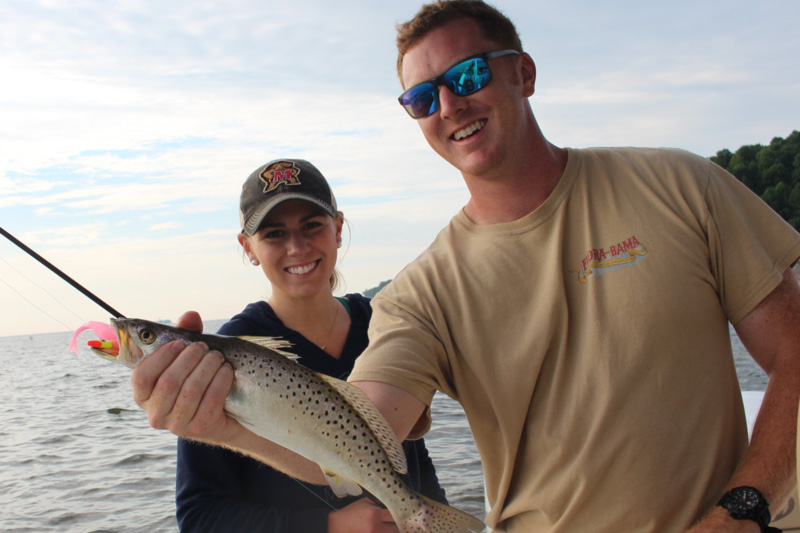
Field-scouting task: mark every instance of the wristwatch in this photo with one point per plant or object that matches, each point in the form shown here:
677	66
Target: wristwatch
747	503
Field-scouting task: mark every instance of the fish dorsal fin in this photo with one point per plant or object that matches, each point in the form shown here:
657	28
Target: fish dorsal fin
385	434
273	343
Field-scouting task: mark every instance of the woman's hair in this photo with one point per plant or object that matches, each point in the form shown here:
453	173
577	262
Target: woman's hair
336	280
493	24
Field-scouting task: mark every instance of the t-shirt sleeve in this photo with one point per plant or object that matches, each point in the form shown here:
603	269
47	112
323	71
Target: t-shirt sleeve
404	349
751	246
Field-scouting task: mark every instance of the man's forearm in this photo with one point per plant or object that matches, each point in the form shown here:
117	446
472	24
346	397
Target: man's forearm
770	463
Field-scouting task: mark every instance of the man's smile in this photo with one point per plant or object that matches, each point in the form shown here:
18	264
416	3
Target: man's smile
470	130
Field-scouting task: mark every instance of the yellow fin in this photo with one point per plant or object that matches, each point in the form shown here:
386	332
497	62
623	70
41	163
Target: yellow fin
273	343
341	486
383	431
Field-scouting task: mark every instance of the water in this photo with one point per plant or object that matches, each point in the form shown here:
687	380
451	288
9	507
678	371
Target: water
78	455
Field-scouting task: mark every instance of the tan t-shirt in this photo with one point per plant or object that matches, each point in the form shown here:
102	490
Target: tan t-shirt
588	342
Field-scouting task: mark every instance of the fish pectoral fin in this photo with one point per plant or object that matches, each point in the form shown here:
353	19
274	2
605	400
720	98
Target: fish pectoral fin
242	420
341	486
276	344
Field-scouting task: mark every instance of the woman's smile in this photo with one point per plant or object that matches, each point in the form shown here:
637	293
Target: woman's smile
303	269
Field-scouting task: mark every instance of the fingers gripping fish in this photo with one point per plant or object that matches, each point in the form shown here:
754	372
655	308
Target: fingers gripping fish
326	420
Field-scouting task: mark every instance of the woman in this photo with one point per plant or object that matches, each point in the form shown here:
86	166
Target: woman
291	229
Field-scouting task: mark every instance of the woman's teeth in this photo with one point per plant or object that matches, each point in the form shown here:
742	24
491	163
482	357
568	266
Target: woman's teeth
304	269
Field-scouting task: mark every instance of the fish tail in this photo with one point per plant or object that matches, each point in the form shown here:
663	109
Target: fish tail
434	517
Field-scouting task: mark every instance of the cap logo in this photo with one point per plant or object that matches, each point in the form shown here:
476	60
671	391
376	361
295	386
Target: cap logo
280	172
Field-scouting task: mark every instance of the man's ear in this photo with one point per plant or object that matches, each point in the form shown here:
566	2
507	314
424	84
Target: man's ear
528	71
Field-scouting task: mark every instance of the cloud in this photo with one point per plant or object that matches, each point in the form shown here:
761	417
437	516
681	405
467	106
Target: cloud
128	128
165	226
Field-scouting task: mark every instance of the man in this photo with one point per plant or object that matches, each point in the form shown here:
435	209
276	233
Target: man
577	308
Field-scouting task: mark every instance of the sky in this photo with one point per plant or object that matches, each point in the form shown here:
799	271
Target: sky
127	129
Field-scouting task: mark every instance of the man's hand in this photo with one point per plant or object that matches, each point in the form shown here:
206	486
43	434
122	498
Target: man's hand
183	389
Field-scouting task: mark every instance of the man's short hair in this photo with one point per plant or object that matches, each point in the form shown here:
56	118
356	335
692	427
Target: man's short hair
493	24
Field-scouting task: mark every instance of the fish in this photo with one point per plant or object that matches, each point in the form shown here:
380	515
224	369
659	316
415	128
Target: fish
326	420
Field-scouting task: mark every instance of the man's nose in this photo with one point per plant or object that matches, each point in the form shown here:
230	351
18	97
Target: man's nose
450	104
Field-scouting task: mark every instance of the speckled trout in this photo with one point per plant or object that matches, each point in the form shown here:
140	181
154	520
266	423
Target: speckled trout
324	419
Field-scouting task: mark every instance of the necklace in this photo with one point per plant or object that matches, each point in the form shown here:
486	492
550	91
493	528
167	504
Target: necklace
335	316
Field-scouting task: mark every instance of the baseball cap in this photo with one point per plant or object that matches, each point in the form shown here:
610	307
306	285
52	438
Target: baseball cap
278	181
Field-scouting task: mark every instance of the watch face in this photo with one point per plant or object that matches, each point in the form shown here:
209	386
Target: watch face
745	500
744	503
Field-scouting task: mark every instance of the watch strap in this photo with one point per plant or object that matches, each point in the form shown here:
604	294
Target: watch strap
759	514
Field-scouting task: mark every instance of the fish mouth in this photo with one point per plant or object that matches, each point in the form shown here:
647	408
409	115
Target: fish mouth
109	354
112	353
124	349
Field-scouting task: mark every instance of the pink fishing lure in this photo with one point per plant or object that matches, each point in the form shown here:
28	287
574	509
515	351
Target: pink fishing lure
102	330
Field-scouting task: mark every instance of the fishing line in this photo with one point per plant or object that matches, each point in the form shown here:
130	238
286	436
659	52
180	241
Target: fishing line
34	305
60	274
317	496
29	280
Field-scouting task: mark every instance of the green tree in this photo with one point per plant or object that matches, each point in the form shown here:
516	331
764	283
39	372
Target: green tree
777	197
744	166
370	293
723	158
771	164
796	168
794	206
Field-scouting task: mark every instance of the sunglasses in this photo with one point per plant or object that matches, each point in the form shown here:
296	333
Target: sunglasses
464	78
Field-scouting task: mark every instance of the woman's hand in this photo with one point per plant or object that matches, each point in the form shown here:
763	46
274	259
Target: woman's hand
362	516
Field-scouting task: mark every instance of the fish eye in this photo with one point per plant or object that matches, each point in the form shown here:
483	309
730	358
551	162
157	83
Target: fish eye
147	336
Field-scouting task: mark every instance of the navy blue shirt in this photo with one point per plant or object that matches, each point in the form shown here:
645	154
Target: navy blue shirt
219	490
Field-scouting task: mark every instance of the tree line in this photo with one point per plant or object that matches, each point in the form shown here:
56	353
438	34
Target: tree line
370	293
772	172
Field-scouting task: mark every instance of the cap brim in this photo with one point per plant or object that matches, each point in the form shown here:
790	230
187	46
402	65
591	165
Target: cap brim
252	224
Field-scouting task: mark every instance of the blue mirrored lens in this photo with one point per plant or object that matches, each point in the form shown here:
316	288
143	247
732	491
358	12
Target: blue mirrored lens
420	101
468	77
